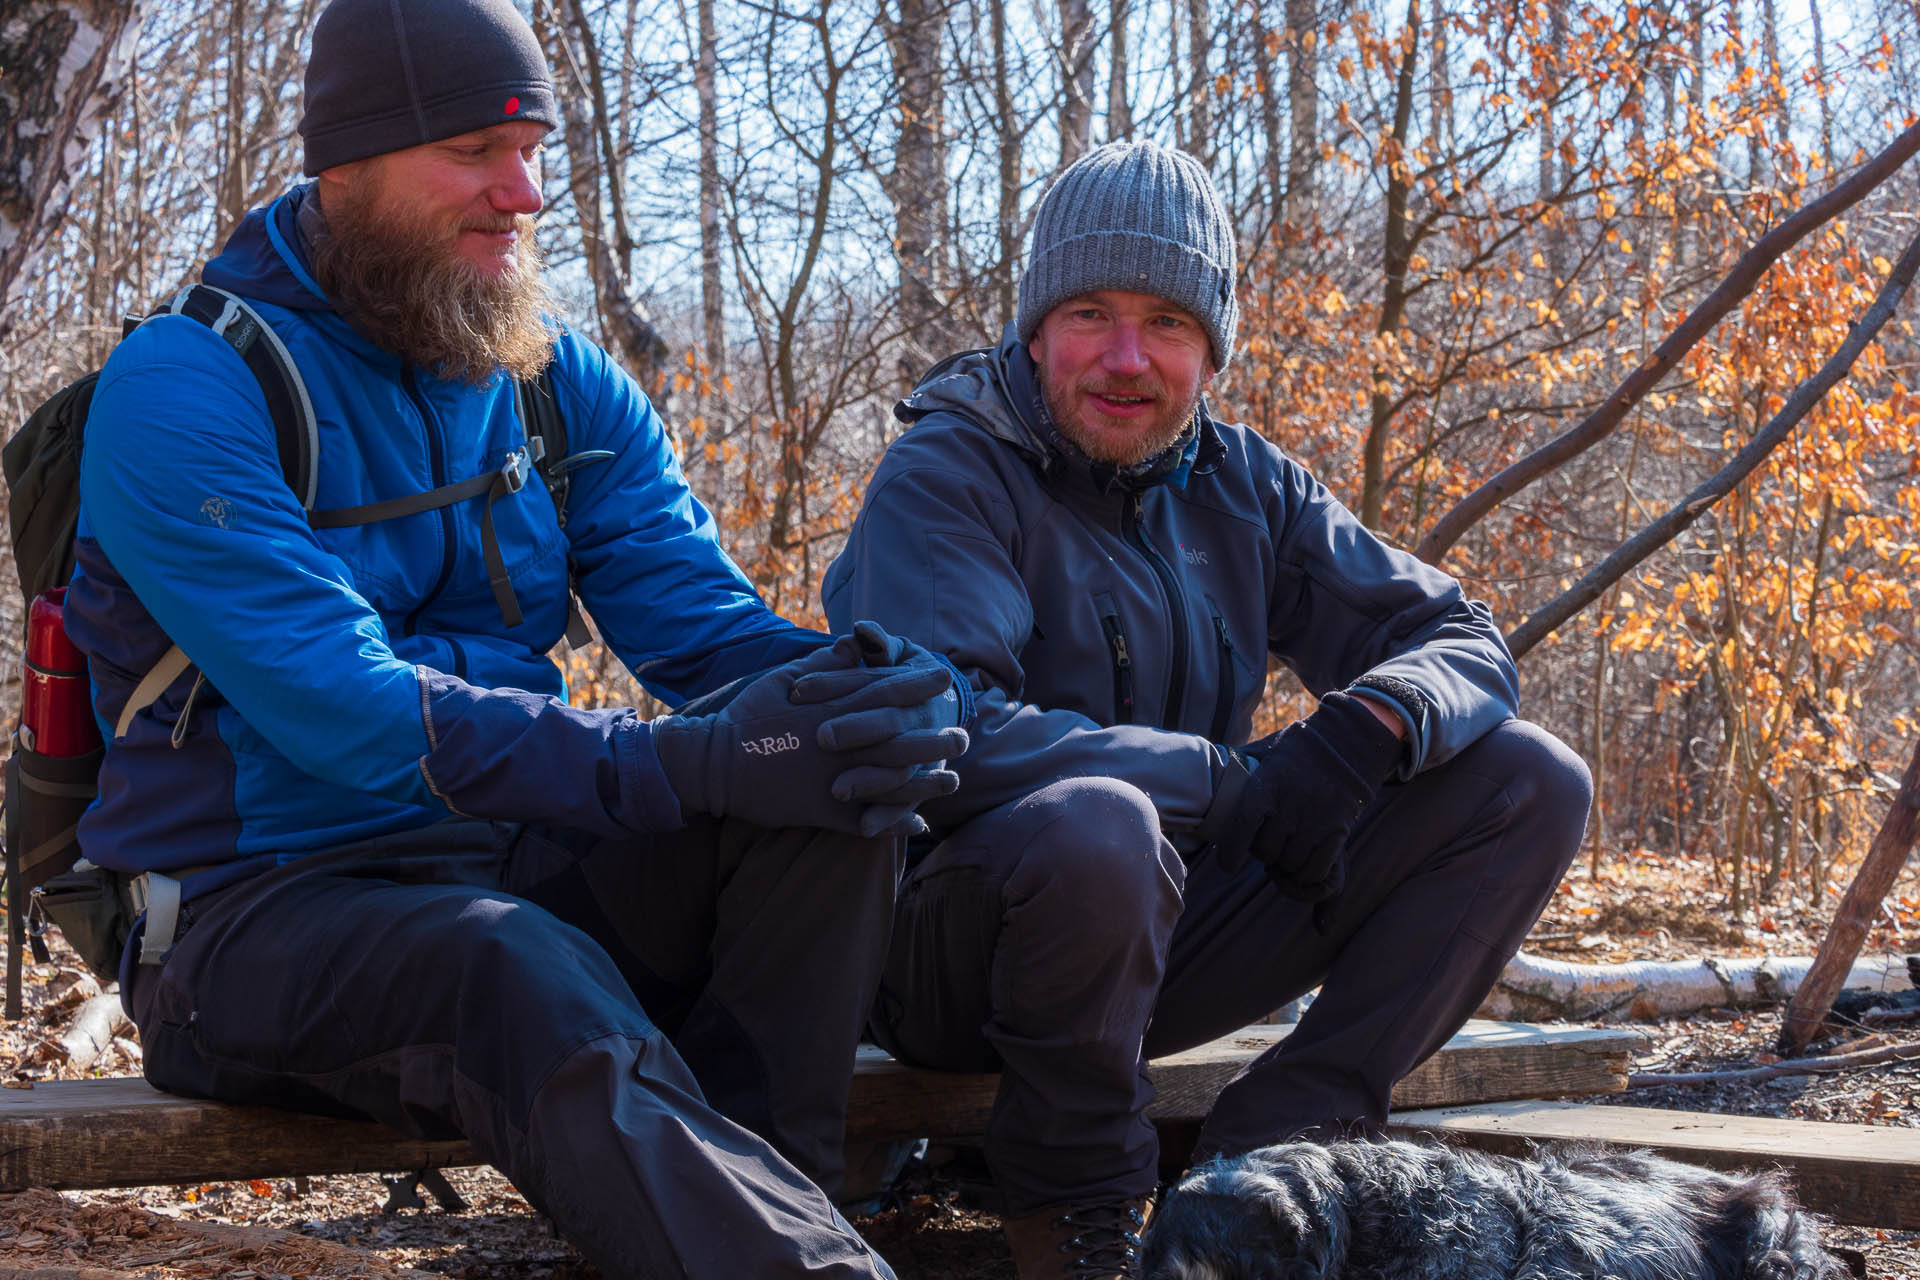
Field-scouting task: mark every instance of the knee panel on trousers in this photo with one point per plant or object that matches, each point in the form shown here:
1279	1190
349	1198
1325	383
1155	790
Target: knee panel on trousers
1550	787
1091	856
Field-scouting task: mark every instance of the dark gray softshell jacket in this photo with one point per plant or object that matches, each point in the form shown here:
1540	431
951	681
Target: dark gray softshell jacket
1118	628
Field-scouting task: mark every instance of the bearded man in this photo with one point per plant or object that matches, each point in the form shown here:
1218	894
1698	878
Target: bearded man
627	960
1122	874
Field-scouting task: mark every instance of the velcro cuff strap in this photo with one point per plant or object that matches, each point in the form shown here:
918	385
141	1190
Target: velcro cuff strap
1235	773
962	688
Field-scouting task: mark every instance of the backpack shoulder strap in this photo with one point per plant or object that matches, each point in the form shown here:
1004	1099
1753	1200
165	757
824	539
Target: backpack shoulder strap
296	434
546	429
295	431
540	418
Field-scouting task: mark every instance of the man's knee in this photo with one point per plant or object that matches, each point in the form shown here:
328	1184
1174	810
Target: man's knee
1093	846
1548	784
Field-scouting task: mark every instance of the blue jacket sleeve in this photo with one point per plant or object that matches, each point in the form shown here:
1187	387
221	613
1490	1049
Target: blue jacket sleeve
651	571
184	493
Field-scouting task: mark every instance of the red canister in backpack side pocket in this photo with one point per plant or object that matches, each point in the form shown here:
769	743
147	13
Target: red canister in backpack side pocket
56	714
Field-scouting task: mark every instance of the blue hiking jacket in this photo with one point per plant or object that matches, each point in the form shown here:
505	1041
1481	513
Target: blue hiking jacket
361	681
1119	626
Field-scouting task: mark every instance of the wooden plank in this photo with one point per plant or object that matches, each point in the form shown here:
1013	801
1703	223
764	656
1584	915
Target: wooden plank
126	1133
1856	1173
1485	1061
122	1132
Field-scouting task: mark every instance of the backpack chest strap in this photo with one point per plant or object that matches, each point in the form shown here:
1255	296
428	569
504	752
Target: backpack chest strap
511	477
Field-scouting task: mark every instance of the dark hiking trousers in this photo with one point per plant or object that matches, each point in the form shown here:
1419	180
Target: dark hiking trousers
652	1038
1057	938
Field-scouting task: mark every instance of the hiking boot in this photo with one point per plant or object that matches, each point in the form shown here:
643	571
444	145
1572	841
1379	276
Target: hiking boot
1085	1242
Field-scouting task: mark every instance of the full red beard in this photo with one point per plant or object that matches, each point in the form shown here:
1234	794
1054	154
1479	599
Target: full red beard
402	283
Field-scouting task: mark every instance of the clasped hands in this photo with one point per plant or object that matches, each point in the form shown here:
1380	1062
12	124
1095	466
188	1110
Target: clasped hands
853	737
1290	800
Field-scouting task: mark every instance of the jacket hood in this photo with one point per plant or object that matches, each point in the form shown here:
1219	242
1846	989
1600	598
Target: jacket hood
998	389
980	386
266	257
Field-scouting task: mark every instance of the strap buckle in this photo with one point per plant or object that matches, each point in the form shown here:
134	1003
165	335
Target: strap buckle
513	472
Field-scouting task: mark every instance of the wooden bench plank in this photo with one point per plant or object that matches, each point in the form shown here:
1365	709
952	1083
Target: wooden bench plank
122	1132
1856	1173
1484	1062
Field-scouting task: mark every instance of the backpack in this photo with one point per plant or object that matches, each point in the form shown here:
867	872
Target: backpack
46	795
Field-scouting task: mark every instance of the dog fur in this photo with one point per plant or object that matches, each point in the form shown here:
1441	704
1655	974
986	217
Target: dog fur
1409	1211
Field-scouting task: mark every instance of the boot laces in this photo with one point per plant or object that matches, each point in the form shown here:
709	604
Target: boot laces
1105	1240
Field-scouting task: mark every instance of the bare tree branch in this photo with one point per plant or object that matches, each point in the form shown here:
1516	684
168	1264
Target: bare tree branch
1738	284
1662	531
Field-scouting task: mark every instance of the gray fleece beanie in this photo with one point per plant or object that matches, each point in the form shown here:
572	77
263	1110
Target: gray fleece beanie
1134	216
390	74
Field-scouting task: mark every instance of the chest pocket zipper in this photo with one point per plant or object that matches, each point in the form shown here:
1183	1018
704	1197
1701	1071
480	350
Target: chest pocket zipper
1122	661
1223	699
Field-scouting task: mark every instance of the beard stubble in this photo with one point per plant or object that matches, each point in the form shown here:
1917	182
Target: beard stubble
1122	452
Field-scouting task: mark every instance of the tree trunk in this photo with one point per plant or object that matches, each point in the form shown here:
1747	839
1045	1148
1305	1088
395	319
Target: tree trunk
1857	909
1008	222
1303	97
1119	104
1776	78
712	298
917	183
629	330
1757	174
1821	83
1535	988
231	181
1549	89
1393	299
1271	140
1076	80
1200	80
62	62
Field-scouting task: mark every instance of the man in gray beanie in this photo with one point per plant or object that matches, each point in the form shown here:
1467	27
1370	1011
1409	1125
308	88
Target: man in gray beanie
1122	873
388	870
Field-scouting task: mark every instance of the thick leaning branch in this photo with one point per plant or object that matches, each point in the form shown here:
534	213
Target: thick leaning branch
1738	283
1857	909
1775	1071
1669	526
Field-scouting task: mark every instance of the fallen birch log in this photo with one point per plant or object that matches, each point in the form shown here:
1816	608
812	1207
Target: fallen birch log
92	1030
1536	989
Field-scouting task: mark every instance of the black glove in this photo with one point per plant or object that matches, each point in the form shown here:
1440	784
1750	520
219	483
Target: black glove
1291	799
856	754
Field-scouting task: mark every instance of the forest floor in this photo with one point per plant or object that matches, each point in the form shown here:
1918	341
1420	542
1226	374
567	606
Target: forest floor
937	1223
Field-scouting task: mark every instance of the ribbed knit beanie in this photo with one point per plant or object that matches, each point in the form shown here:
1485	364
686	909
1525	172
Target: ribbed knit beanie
391	74
1134	216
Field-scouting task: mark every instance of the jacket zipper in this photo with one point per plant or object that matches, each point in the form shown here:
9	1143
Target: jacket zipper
1122	670
1223	701
437	460
1135	514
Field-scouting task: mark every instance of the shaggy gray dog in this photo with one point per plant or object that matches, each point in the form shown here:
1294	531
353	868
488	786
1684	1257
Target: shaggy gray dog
1406	1211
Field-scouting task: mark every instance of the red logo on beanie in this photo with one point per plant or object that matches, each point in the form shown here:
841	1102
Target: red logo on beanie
513	105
